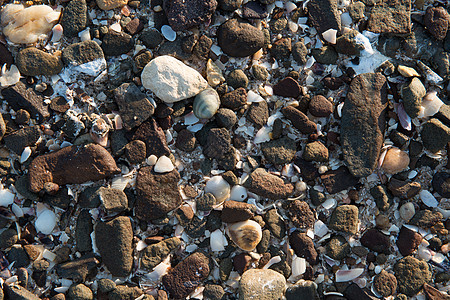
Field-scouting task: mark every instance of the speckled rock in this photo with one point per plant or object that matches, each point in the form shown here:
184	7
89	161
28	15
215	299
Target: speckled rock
385	283
267	185
32	61
261	284
280	151
239	39
183	15
411	274
345	218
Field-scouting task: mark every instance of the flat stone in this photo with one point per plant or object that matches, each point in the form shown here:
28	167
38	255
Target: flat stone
74	18
33	62
403	189
235	211
80	53
411	275
324	15
299	120
408	241
20	96
235	99
16	292
338	180
426	218
376	241
78	270
83	231
113	201
436	21
156	253
186	275
362	125
385	283
258	113
263	284
111	4
441	184
72	164
115	43
303	247
280	151
157	194
171	80
287	87
183	15
114	242
154	138
267	185
18	140
390	16
435	135
344	218
239	39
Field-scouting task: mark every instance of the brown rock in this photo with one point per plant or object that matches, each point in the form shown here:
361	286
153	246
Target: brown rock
235	99
299	120
338	180
235	211
402	189
153	136
385	283
376	241
186	275
157	194
345	218
183	14
408	241
433	293
319	106
301	214
303	246
288	87
267	185
73	164
185	141
437	20
135	151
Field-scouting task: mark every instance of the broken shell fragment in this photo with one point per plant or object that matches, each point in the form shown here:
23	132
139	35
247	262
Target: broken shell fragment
213	74
246	234
407	71
395	161
99	132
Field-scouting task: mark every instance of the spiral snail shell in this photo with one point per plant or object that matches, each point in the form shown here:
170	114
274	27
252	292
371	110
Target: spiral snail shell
206	104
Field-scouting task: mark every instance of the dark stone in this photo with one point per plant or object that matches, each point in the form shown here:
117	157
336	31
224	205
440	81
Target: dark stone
347	44
299	120
74	18
362	126
402	189
319	106
157	194
153	136
15	292
287	87
135	151
135	26
435	135
299	53
236	211
300	214
303	247
338	180
408	241
33	62
115	43
302	290
114	242
376	241
8	238
258	113
73	164
185	141
326	55
239	39
280	151
213	292
235	99
426	218
5	56
391	16
151	38
156	253
436	20
344	218
183	15
237	79
324	15
275	223
18	140
385	284
113	201
315	151
202	47
354	292
441	184
308	169
83	231
254	10
267	185
338	248
227	118
381	196
81	53
18	256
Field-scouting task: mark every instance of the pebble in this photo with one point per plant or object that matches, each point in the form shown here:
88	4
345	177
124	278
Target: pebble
164	73
441	184
300	214
428	198
404	189
436	20
376	241
435	135
73	19
45	222
268	185
25	25
408	241
344	218
315	151
163	165
411	274
245	234
280	151
110	4
262	284
324	15
303	246
235	99
412	95
116	43
395	161
319	106
206	104
287	87
338	248
385	283
338	180
33	62
154	254
239	39
226	118
218	187
183	15
299	120
407	211
151	38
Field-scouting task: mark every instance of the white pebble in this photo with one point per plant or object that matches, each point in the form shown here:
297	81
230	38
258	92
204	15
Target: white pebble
6	197
424	253
45	222
407	211
330	203
168	33
85	35
322	169
163	165
151	160
218	241
116	27
25	155
330	36
238	193
218	187
301	186
428	198
57	33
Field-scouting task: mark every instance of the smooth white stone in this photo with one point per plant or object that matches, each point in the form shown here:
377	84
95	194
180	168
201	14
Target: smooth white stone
45	222
151	160
238	193
407	211
171	80
218	187
168	33
163	165
218	241
428	198
6	197
330	36
25	155
57	31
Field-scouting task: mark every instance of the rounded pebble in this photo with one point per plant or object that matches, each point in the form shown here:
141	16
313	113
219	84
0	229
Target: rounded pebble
407	211
206	104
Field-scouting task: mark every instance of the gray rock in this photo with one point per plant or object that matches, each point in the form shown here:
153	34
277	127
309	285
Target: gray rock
81	53
263	284
156	253
239	39
326	55
324	15
113	201
391	16
74	17
280	151
412	94
362	126
33	62
83	231
8	238
18	140
151	38
114	242
299	52
435	135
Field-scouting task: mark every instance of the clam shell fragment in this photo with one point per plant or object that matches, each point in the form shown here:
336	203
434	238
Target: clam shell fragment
246	234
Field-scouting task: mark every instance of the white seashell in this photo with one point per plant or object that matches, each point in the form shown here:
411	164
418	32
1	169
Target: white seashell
290	6
246	234
17	210
6	197
428	198
430	105
218	187
273	260
407	211
218	241
57	33
263	135
238	193
346	19
190	119
45	222
424	253
61	289
298	266
329	203
254	97
206	104
168	33
151	160
120	182
163	165
25	155
378	269
48	255
347	275
10	77
213	74
330	36
412	174
160	270
320	228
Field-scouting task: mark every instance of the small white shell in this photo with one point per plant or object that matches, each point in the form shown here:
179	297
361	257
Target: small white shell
238	193
25	155
213	74
246	234
347	275
428	198
298	266
206	104
168	33
163	165
218	187
45	222
57	33
218	241
6	197
330	36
